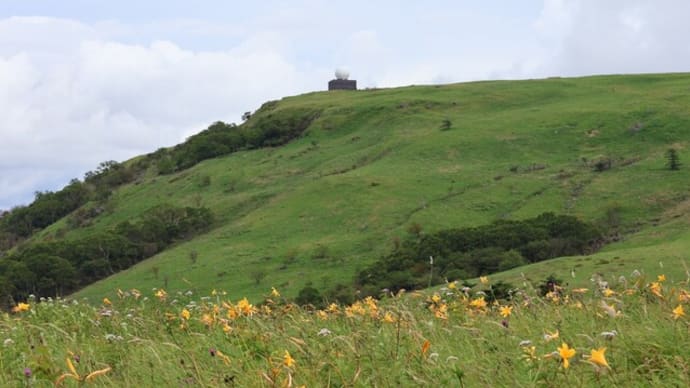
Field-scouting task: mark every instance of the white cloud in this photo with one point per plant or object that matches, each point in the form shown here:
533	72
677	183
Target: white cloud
73	93
602	37
66	107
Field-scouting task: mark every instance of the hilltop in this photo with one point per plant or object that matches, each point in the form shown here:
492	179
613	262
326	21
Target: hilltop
334	179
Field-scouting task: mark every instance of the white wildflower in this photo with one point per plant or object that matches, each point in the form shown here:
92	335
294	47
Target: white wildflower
324	332
609	335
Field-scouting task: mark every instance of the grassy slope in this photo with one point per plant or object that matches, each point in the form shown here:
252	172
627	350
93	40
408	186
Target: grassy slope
376	161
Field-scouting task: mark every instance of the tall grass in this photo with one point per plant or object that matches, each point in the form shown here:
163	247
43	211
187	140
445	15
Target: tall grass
448	337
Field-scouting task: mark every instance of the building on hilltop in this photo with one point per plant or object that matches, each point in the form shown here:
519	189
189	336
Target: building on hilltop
341	81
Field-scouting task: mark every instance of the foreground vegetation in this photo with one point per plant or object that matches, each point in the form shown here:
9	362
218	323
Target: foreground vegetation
631	333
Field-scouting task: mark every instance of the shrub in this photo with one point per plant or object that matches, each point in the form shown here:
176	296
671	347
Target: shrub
309	296
672	160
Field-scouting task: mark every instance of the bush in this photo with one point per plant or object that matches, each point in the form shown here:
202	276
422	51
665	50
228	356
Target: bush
550	284
471	252
309	296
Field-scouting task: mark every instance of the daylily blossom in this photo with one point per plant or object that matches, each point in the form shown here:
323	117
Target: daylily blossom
478	303
21	307
678	312
566	354
551	336
598	358
655	288
288	361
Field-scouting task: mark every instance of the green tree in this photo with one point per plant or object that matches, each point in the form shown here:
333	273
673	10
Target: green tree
672	160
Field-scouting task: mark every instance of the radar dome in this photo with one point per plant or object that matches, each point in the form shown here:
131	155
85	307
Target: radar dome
342	74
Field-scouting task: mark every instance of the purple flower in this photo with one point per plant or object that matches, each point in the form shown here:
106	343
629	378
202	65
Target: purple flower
212	351
27	372
504	323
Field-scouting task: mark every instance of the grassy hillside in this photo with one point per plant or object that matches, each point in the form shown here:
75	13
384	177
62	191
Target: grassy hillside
376	161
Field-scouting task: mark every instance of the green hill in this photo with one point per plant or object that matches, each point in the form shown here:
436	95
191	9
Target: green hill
371	163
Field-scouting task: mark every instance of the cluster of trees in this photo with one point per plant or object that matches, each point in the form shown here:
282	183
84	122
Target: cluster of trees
58	267
266	130
471	252
219	139
48	207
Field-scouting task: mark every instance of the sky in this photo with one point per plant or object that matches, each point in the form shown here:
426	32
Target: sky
86	81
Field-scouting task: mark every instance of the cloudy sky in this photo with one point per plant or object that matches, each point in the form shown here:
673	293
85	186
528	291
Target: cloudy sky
84	81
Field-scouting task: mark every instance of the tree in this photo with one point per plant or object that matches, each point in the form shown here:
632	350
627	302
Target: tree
309	296
258	275
446	125
672	161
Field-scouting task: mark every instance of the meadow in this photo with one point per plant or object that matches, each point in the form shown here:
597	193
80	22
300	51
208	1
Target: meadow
374	162
631	333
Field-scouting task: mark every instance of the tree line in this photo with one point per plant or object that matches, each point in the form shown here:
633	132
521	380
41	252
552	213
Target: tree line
263	130
422	260
59	267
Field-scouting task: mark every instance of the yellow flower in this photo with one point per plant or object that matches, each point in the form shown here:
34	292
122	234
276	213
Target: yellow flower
678	312
288	361
598	358
506	311
661	278
207	319
441	312
322	315
371	304
529	353
226	359
333	308
478	303
655	288
551	336
436	298
245	307
106	301
136	293
452	285
21	307
275	293
566	353
608	292
185	314
74	375
484	280
232	313
388	317
161	294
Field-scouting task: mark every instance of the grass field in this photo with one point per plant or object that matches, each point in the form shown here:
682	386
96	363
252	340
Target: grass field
376	161
628	334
